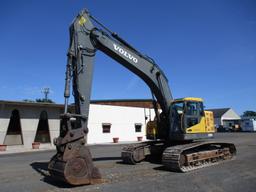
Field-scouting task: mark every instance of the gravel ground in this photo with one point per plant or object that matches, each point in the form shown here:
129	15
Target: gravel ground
28	172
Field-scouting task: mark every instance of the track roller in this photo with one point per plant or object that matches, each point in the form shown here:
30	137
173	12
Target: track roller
134	153
188	157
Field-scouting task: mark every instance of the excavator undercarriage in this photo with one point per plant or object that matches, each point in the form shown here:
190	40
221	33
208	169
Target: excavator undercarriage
183	157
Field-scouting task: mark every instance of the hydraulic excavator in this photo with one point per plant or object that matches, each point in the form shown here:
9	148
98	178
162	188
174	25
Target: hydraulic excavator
177	134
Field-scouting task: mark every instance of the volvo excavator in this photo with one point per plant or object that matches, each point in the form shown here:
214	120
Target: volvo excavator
179	135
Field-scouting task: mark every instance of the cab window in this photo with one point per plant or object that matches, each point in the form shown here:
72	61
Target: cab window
201	108
178	107
192	108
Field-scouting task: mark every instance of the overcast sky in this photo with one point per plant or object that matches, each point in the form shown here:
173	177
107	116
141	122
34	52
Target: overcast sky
207	48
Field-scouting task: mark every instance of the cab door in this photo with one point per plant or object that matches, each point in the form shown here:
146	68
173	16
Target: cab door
194	120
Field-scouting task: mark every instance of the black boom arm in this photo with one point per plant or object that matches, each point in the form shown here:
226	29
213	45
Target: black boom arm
85	39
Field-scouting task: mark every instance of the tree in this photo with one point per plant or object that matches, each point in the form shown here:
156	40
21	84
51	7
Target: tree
28	100
45	91
44	101
249	113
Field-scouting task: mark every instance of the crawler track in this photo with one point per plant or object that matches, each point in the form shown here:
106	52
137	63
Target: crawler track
188	157
135	153
183	157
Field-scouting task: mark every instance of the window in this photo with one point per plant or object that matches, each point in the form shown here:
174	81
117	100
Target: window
42	133
201	108
192	121
192	108
178	107
138	127
106	127
14	131
14	127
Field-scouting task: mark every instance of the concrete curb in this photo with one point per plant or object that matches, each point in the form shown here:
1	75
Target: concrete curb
20	149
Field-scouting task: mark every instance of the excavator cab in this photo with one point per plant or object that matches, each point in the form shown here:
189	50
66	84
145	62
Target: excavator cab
187	113
189	121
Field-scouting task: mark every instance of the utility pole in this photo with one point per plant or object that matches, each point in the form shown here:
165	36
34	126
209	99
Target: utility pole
46	91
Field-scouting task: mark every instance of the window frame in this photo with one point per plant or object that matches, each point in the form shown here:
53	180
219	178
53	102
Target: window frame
106	126
136	127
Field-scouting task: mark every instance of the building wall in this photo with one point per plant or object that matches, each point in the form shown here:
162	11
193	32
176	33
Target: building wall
122	120
3	128
217	122
230	119
29	118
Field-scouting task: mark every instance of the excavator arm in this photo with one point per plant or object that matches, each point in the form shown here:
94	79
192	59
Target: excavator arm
86	39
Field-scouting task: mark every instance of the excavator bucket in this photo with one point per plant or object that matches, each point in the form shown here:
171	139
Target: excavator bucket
74	166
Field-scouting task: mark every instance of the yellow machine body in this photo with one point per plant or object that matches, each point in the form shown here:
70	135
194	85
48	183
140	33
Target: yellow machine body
204	126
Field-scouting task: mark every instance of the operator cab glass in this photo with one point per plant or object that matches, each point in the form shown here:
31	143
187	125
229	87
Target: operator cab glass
177	110
194	112
186	114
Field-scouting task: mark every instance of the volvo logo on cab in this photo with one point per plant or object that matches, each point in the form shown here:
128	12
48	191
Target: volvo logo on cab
125	53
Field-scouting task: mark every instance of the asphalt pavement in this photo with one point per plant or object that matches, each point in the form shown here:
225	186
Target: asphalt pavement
28	172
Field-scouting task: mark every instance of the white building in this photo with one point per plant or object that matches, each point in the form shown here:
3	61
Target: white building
248	123
225	118
23	123
107	122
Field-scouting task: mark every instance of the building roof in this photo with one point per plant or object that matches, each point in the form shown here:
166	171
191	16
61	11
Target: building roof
217	113
37	104
145	103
